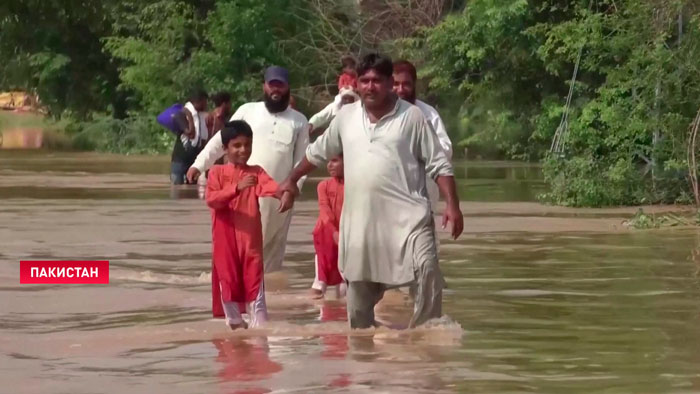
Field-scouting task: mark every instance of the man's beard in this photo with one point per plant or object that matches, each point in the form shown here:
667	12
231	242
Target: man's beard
411	98
276	106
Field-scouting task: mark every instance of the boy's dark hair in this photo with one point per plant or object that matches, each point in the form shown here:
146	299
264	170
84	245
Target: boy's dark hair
377	62
233	129
198	94
221	97
404	66
348	61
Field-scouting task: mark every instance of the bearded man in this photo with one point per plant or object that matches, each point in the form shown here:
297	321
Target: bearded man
405	77
280	138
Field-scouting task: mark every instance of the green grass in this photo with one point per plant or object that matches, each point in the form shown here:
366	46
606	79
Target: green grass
54	136
11	120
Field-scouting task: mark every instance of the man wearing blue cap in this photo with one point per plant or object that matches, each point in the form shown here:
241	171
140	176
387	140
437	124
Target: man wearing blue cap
280	138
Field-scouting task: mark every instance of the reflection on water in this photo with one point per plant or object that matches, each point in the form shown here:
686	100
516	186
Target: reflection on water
539	299
498	181
56	175
245	359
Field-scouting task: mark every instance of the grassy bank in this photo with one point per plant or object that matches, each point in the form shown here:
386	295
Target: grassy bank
32	130
12	120
136	135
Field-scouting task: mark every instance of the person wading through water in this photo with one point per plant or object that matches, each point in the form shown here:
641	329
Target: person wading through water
387	235
280	140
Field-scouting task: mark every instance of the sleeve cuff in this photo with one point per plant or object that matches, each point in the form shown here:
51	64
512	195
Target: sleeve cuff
198	167
313	159
445	170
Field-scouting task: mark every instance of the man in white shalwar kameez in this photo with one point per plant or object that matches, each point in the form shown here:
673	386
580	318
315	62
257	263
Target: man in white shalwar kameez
387	235
405	87
321	119
280	138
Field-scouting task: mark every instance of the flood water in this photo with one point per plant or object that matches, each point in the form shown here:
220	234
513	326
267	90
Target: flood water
540	299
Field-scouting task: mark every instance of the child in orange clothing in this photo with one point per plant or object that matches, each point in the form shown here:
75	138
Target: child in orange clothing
348	75
232	194
347	85
330	203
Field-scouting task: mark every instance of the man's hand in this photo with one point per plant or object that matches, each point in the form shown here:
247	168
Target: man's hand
336	237
189	133
288	186
246	182
454	215
192	175
286	202
314	131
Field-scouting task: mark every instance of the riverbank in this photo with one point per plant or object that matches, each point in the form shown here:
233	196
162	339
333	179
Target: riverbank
136	135
21	129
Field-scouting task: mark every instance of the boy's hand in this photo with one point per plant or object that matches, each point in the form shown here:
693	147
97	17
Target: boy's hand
336	236
246	182
286	202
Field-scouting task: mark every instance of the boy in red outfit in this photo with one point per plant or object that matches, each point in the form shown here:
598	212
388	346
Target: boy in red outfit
330	203
232	194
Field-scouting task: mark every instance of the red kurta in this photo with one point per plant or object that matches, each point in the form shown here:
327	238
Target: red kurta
237	265
330	203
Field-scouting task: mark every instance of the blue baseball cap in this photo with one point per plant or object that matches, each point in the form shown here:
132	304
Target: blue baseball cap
276	73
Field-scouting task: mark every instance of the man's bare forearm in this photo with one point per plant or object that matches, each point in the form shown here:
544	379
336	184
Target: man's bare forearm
304	167
448	187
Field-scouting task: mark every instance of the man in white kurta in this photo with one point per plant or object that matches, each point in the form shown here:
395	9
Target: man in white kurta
405	87
387	236
434	120
323	118
279	143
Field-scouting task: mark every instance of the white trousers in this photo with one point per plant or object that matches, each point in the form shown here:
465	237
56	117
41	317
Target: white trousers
257	310
275	227
340	290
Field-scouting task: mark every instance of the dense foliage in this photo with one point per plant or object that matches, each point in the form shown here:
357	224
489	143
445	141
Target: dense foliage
111	66
636	92
499	71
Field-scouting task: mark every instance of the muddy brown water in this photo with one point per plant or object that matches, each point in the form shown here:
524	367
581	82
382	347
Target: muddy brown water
540	299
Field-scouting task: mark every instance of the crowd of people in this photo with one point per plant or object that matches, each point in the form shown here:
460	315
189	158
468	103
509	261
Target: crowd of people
387	155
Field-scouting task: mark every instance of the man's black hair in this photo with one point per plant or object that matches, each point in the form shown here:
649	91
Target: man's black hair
234	129
198	94
374	61
221	97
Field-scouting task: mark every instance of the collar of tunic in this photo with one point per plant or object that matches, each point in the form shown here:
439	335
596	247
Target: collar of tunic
369	127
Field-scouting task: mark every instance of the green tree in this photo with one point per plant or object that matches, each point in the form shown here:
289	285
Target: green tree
634	96
482	61
627	144
54	48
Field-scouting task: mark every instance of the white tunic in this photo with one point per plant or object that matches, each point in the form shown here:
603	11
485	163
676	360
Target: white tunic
439	127
279	140
386	204
279	144
324	117
433	118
